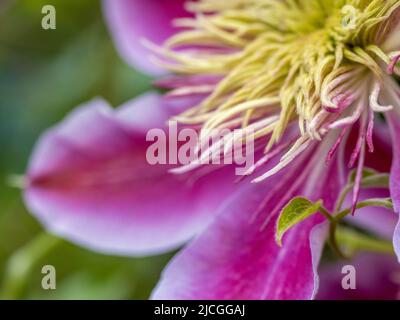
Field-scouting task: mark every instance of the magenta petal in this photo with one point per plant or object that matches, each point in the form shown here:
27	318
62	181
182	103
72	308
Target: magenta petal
89	182
394	123
237	258
131	21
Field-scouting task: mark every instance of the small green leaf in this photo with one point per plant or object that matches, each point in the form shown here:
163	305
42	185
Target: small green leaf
297	210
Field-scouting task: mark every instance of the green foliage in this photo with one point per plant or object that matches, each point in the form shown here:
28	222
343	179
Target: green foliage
353	241
297	210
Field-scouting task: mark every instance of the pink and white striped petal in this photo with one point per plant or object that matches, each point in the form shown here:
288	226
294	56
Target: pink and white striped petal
90	182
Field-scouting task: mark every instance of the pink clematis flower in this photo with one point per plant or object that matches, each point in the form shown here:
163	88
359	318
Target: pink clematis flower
308	78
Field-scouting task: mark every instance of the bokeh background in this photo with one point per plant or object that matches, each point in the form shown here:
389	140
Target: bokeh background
44	74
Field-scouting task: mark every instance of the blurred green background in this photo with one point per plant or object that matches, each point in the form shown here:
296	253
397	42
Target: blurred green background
44	74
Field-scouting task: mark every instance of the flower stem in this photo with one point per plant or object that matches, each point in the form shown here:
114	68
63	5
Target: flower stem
21	263
385	202
380	180
359	241
333	241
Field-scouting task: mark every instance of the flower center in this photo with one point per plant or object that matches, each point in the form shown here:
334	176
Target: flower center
280	61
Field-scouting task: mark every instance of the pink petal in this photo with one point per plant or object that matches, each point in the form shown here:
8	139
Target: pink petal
394	123
90	183
377	277
131	21
237	257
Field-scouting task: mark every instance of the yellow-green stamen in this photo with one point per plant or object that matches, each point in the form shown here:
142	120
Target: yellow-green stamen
299	59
